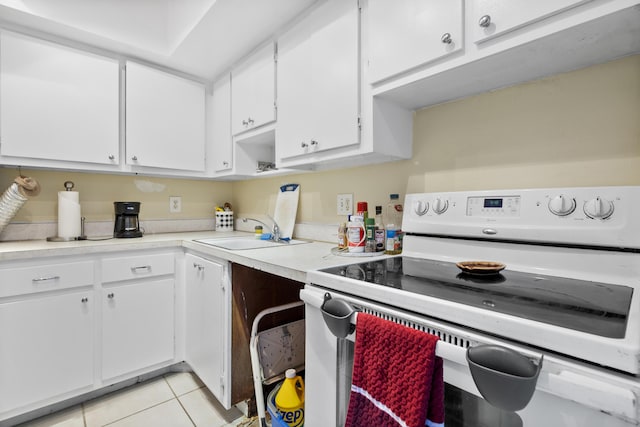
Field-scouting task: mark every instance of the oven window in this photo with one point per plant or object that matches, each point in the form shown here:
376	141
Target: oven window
462	409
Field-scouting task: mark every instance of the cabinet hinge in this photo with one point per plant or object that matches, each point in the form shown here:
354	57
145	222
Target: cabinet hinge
359	123
359	4
275	56
222	384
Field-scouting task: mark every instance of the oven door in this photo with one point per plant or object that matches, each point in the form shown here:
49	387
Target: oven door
567	393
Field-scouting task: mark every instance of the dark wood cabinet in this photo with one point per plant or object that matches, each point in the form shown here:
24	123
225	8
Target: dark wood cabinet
254	291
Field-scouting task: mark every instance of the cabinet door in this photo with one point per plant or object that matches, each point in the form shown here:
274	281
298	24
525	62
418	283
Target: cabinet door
137	326
318	82
404	34
220	118
490	18
165	120
253	91
207	324
46	348
57	103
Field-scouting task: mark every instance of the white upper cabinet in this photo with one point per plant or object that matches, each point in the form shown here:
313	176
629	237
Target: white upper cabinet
493	17
57	103
165	120
253	91
404	34
220	122
318	83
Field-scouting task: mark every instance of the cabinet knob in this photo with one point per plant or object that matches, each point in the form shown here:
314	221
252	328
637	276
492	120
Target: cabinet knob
250	121
304	145
112	157
245	123
225	163
314	143
134	158
446	38
200	267
110	296
484	21
84	300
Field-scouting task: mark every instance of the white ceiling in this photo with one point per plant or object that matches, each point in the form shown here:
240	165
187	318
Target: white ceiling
202	38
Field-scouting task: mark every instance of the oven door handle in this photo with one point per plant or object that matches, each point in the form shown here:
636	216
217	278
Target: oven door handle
450	352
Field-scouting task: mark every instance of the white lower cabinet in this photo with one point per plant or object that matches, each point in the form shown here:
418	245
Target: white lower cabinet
46	348
207	313
137	326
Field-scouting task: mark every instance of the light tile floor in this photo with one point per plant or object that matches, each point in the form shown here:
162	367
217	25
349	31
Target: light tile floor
174	400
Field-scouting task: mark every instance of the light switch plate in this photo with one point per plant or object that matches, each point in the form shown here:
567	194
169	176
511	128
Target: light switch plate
345	204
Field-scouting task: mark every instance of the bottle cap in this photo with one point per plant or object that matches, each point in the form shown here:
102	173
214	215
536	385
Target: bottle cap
394	196
363	206
290	373
378	210
370	221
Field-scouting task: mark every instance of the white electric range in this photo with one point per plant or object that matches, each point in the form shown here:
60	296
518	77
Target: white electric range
570	293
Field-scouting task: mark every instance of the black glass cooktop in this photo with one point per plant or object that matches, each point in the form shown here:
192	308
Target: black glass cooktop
596	308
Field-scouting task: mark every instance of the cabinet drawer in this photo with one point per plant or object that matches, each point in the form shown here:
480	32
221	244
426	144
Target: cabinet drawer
40	278
128	268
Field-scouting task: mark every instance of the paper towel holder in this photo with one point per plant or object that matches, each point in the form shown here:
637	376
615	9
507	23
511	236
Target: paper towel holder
68	186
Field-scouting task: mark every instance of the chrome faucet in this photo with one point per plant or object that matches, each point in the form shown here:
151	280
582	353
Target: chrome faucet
275	230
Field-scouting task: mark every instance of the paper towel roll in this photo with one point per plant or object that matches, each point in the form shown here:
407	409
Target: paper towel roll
68	214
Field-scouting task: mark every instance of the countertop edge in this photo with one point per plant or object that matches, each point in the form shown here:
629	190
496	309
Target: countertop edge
292	262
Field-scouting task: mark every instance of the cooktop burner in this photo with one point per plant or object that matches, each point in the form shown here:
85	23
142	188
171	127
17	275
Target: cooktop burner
595	308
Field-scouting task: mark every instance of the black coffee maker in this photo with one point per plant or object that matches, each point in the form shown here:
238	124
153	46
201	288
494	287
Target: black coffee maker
127	224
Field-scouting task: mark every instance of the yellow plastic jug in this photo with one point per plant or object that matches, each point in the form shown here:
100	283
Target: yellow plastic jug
290	399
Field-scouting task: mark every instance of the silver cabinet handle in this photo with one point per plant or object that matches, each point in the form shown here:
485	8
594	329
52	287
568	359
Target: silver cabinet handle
110	295
314	142
304	145
446	38
200	267
141	267
484	21
84	300
134	158
45	279
112	157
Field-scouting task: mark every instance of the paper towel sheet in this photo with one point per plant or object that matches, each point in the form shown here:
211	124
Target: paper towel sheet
68	214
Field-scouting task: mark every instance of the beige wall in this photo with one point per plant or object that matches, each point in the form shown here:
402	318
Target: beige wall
576	129
99	191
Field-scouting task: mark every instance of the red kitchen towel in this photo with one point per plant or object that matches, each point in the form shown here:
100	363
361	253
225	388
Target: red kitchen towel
397	377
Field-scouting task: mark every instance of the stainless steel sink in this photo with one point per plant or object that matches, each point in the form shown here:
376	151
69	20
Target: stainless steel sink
241	243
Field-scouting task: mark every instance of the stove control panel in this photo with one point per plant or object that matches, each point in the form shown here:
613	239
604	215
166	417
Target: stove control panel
492	207
594	216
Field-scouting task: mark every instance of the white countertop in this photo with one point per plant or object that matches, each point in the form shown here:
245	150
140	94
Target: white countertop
288	261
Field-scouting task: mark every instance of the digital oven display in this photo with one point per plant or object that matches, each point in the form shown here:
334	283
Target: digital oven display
492	203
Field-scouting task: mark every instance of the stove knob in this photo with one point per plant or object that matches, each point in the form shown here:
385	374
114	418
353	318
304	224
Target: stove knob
562	206
420	207
598	208
440	205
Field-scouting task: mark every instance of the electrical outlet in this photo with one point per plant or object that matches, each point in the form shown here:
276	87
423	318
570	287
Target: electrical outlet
345	204
175	204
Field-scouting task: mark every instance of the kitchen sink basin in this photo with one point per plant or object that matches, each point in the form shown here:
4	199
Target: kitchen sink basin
241	243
